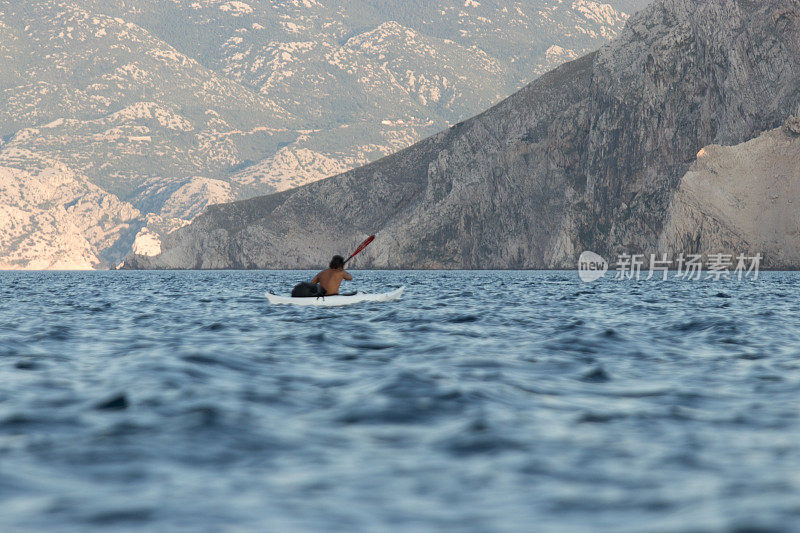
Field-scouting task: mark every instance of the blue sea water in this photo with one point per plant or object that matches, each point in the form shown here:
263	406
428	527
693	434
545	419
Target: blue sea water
482	401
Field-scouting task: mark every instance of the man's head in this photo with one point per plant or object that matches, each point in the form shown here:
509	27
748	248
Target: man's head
337	262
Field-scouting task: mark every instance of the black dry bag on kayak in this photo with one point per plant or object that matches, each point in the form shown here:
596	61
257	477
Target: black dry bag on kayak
305	289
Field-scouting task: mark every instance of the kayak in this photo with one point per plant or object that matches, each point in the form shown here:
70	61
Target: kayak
336	300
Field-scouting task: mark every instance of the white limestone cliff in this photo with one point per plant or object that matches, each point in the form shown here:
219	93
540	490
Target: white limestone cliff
741	199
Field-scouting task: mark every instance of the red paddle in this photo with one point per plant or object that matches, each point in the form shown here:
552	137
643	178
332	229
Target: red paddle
361	247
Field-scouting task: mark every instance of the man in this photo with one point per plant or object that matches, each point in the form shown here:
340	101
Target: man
332	277
326	283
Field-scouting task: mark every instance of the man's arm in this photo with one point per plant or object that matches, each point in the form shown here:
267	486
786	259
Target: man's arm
316	278
347	276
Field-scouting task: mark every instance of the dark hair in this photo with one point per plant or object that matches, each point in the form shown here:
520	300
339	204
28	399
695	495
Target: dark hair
337	262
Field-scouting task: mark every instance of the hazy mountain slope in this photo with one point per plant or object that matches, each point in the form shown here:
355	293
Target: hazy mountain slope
586	157
392	73
123	107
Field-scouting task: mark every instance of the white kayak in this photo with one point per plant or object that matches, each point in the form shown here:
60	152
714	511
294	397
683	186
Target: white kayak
332	301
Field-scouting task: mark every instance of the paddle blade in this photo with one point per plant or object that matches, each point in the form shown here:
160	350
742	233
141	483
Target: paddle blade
361	247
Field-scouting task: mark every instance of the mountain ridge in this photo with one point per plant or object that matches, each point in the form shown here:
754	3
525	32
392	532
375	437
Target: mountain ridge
591	162
350	82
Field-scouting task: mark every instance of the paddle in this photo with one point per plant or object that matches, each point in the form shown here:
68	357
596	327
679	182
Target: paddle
360	247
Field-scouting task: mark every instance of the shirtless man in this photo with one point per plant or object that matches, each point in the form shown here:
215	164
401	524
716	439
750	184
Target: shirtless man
332	277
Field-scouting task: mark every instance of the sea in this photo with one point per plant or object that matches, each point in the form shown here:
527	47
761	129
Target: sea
482	401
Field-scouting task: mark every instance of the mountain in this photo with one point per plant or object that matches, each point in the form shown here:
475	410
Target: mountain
588	156
173	105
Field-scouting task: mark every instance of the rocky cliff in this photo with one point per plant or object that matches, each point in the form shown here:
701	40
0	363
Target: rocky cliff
55	218
586	157
742	199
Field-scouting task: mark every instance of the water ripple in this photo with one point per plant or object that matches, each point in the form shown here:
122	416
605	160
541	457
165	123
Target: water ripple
483	401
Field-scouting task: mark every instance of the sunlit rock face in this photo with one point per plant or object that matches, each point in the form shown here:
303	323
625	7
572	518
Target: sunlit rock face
588	156
742	199
53	218
173	105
